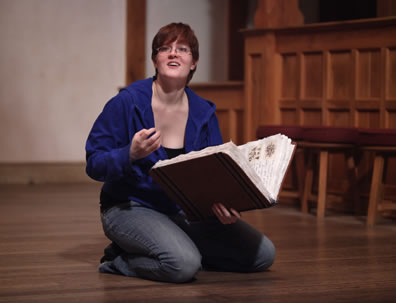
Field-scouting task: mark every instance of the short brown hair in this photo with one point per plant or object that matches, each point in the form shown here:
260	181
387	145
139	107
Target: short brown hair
173	32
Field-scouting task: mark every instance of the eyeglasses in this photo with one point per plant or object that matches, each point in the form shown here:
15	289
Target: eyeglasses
180	50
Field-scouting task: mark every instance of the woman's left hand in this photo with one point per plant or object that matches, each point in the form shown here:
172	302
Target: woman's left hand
224	215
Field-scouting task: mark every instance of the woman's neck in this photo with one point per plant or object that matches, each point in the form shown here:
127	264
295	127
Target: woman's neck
168	92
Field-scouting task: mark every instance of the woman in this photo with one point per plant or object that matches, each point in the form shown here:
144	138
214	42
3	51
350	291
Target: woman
151	120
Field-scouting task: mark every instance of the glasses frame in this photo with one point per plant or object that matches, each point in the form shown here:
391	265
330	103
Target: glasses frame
166	50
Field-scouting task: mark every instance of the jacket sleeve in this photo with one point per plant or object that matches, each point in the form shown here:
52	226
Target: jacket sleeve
108	143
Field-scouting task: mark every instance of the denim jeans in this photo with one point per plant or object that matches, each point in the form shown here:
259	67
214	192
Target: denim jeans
155	246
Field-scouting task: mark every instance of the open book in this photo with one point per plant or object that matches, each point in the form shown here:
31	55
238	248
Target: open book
243	177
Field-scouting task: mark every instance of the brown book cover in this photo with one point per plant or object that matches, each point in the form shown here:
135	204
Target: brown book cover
195	184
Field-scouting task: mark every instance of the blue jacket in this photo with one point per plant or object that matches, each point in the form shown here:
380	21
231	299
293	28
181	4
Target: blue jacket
108	144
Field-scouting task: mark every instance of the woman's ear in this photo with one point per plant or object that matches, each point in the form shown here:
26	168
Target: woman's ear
155	63
194	65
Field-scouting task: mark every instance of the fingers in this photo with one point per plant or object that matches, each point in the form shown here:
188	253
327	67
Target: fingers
236	213
145	133
224	215
144	142
152	141
145	136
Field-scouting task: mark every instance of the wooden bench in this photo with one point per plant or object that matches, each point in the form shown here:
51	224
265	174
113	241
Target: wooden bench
382	142
319	142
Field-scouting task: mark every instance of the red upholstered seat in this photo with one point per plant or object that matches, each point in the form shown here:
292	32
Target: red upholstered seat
330	134
377	136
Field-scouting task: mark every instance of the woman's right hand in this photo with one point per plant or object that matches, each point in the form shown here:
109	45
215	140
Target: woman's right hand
144	142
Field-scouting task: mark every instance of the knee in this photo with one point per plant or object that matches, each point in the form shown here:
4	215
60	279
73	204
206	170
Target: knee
265	256
182	269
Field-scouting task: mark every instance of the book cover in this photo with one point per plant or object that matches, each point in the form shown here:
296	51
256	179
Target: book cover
229	174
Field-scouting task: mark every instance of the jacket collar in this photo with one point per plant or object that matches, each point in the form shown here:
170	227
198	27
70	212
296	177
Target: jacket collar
200	110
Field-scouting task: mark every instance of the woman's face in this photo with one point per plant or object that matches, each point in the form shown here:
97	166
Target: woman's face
174	61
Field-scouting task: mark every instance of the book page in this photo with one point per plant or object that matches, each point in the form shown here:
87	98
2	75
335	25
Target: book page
270	158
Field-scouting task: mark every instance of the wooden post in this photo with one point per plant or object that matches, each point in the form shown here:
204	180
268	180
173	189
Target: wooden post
135	40
277	13
376	190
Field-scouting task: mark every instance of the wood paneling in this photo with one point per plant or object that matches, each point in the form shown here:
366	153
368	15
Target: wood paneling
344	70
333	74
390	78
368	73
311	76
228	97
340	75
386	8
290	77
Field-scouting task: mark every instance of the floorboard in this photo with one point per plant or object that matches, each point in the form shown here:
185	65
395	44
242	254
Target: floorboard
51	241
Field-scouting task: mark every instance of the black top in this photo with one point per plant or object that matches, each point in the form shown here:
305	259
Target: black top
174	152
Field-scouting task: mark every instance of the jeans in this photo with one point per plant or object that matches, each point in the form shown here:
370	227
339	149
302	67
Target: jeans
155	246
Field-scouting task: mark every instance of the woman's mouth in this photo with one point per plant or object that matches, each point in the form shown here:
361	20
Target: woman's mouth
173	64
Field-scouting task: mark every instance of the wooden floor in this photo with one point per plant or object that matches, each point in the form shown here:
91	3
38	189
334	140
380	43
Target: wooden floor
51	241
